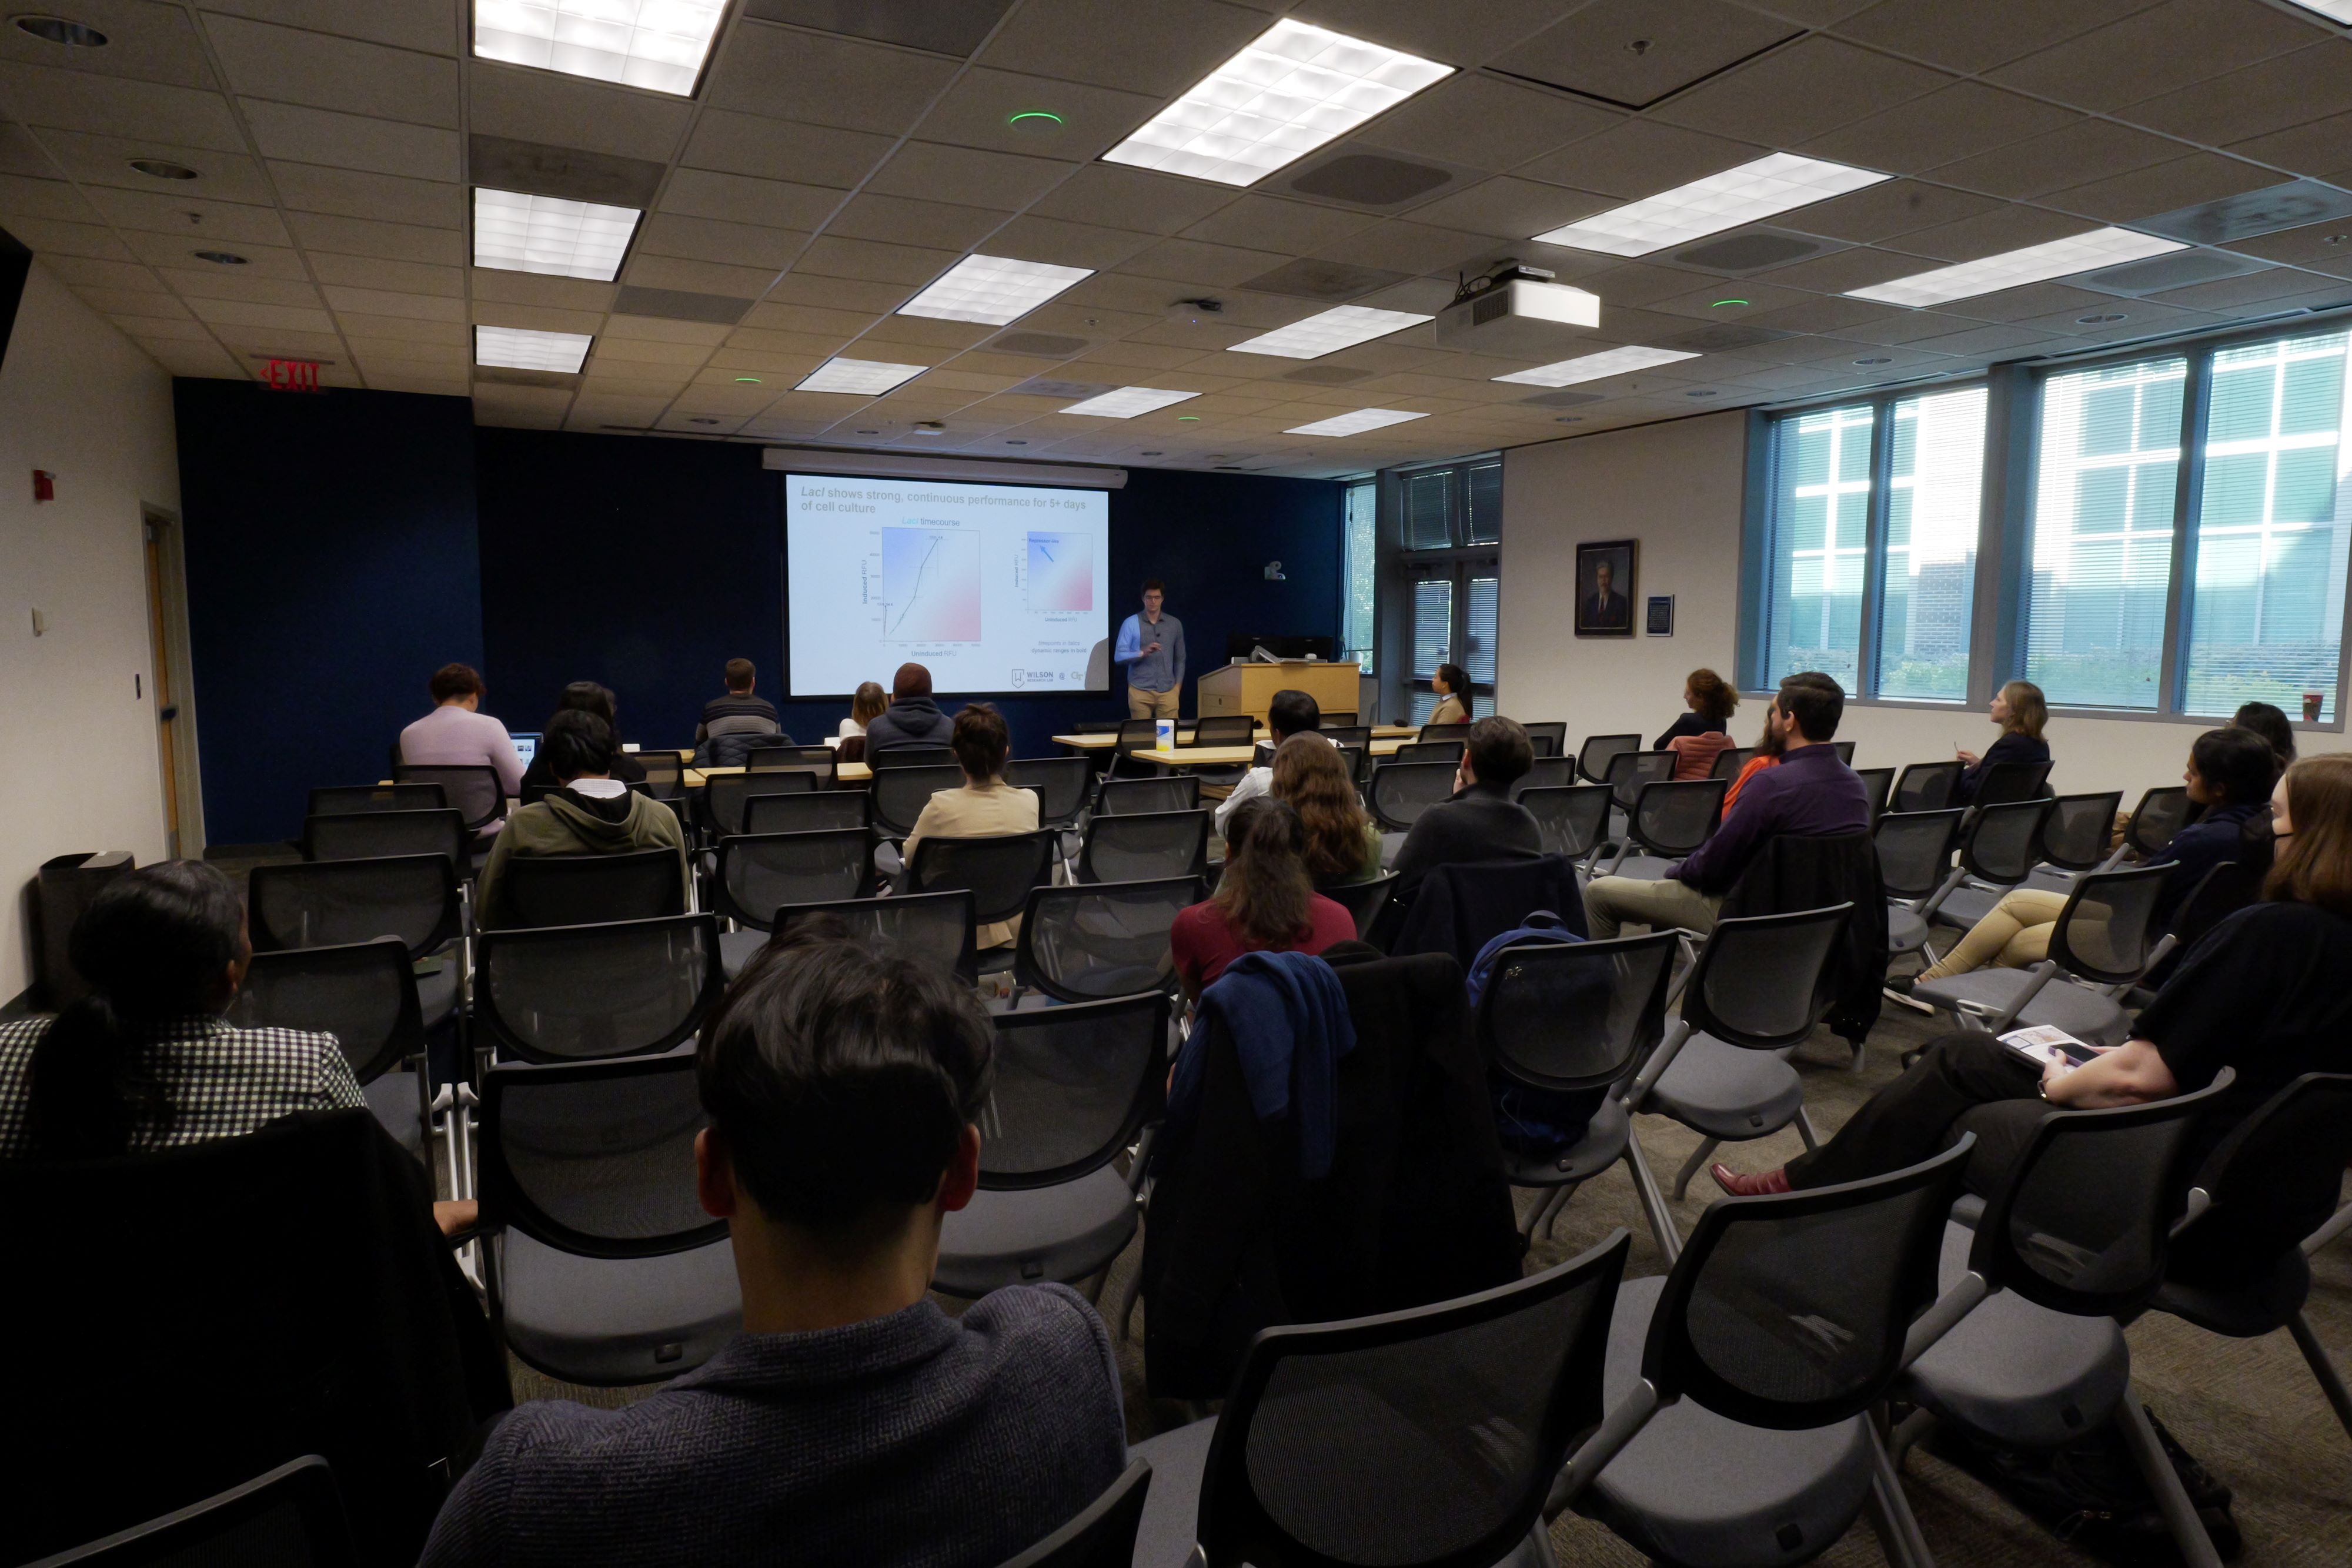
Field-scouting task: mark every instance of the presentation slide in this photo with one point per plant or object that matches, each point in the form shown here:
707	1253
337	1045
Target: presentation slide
997	588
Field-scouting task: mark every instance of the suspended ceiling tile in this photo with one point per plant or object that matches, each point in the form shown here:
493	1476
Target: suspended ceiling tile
2287	91
106	161
2321	150
291	66
977	112
825	80
1640	158
897	220
1633	53
1136	199
1981	35
534	318
2086	150
573	111
354	142
348	192
430	25
932	171
736	143
1806	90
1162	48
2154	51
1484	122
708	239
1064	244
1961	119
317	232
670	272
145	40
2162	188
76	101
874	262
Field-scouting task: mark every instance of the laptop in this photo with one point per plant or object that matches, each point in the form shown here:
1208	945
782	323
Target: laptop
527	746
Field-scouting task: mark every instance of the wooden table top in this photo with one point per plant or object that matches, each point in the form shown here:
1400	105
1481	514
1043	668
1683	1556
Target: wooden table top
843	773
1105	742
1232	756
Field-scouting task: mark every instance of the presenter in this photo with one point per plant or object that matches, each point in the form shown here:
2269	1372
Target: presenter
1151	647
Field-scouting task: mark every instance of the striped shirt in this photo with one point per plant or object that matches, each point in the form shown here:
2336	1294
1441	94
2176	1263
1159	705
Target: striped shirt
217	1082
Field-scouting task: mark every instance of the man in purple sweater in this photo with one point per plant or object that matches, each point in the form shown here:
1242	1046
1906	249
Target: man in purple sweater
1811	794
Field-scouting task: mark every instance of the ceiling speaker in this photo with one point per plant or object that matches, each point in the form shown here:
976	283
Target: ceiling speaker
2262	212
1752	251
1044	345
677	305
1371	180
1333	280
1045	386
538	168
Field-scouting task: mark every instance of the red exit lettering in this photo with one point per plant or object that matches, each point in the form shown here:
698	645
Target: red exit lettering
291	375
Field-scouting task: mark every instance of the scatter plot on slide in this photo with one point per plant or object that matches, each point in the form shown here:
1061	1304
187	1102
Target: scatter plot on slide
1061	573
930	585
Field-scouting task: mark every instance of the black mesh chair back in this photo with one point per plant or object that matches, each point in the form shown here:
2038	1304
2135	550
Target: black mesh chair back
998	871
571	993
1062	784
342	800
473	789
899	794
1423	1437
586	890
1103	1536
665	774
2004	843
1592	756
1224	730
1363	900
332	904
816	761
372	835
2108	926
595	1158
1342	720
1844	750
1575	1015
363	993
1445	751
1674	819
1142	733
808	811
1628	770
1348	734
761	872
1572	818
1546	773
2075	835
1456	731
2220	892
2006	781
2160	814
1175	792
2275	1177
1915	849
1073	1086
1789	1313
1879	782
291	1518
910	757
1549	737
1400	791
935	929
1098	725
1927	786
724	795
1731	759
1772	980
2083	1222
1142	847
1111	939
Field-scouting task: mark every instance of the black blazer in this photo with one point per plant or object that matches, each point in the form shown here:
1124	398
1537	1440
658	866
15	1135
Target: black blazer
1461	908
1480	823
2010	748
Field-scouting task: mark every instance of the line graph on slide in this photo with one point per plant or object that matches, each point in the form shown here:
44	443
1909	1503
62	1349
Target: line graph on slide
1061	572
930	585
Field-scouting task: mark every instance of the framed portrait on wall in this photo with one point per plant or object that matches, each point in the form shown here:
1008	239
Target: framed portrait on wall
1605	589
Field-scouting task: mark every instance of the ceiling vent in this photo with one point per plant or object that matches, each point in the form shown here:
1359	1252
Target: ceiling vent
2158	273
1560	399
943	26
1044	345
2262	212
1725	336
1752	250
1379	180
539	169
1309	279
677	305
1326	375
1045	386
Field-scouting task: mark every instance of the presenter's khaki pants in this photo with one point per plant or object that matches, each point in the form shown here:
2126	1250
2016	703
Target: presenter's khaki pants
1614	902
1142	704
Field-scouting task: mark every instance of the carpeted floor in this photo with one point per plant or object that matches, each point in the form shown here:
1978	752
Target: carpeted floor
2249	1409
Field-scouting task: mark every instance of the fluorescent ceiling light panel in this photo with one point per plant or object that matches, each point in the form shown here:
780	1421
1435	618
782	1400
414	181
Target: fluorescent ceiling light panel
2012	268
2335	10
1593	367
993	289
519	348
1355	423
864	378
1747	194
1128	401
1341	326
1288	92
517	232
655	44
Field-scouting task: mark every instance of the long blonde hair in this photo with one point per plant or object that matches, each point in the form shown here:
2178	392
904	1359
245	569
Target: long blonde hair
2028	712
2315	860
870	702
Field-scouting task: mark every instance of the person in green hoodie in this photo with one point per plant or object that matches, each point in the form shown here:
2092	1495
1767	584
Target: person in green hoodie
590	813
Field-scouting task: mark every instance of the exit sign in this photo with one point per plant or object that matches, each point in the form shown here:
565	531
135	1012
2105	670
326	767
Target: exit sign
291	375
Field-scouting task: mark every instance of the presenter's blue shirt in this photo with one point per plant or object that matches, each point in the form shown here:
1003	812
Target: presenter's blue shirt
1160	672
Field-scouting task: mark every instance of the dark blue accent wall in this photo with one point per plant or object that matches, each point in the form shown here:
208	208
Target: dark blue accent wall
332	566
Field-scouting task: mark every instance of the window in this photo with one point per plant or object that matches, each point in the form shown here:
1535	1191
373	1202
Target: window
1447	586
1429	509
1482	496
1433	639
1821	504
1927	572
1363	547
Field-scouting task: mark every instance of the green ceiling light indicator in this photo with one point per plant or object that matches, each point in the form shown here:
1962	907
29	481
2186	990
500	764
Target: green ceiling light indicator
1188	419
1034	120
1720	304
747	380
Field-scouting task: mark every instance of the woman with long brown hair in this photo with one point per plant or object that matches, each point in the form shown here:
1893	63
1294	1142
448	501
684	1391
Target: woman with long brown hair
1264	903
1343	842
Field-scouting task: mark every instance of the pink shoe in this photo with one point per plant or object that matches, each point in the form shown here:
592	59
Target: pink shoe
1762	1185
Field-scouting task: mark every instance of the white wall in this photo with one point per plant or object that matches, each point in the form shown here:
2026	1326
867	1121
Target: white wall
79	399
1676	488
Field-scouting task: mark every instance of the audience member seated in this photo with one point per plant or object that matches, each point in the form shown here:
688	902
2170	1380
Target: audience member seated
593	813
2262	992
912	718
2272	725
2020	711
2230	774
457	733
1703	733
1311	777
985	806
852	1424
1811	793
1290	713
1265	902
1481	822
586	696
739	712
864	709
1452	685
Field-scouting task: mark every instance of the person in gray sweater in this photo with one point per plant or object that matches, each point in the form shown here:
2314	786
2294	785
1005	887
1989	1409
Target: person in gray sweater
852	1421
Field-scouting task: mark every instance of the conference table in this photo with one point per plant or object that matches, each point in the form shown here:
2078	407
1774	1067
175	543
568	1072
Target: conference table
1386	738
1092	742
1234	756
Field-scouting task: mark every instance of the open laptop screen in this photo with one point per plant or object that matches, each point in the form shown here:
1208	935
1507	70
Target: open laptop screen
527	746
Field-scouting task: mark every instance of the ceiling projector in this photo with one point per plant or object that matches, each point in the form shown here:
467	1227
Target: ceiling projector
1517	313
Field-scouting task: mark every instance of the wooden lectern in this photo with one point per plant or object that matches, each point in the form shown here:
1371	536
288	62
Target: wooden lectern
1249	687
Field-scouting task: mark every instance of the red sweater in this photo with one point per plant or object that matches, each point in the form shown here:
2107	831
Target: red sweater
1203	943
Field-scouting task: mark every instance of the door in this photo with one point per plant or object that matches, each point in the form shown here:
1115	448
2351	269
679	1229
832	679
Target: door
1454	606
165	695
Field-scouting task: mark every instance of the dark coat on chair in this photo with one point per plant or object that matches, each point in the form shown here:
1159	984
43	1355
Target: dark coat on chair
1793	873
1461	908
1416	1208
